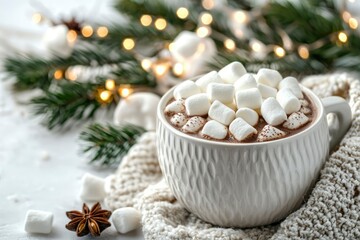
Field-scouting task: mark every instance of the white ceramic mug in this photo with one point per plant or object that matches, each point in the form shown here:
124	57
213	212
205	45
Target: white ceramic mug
247	184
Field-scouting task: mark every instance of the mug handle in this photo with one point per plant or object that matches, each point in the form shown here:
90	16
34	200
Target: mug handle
342	110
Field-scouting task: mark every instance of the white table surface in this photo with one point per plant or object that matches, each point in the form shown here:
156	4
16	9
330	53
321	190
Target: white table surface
27	180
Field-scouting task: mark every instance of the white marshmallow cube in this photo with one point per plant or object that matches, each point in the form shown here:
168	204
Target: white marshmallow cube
186	89
288	101
204	81
232	72
178	119
126	219
296	120
176	106
293	84
270	133
272	112
222	92
249	115
241	130
194	124
269	77
266	91
92	188
250	98
38	221
221	113
245	82
214	130
198	104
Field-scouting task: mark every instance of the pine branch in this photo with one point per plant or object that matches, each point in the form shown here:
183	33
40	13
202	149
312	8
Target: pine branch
107	144
70	101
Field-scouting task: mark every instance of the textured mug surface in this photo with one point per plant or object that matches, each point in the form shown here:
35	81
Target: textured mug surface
242	184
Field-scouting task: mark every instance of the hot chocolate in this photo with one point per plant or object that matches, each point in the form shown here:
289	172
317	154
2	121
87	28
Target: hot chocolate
251	108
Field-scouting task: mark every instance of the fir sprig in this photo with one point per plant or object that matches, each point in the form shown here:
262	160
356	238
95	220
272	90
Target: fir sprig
106	144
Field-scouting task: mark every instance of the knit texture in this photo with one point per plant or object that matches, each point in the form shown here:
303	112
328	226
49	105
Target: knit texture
332	210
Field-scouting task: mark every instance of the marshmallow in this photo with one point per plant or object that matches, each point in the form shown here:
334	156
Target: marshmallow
266	91
176	106
178	119
288	101
241	130
272	112
126	219
221	113
293	84
304	103
92	188
198	104
296	120
222	92
186	89
245	82
38	221
250	116
270	133
214	130
231	105
269	77
204	81
232	72
250	98
305	110
194	124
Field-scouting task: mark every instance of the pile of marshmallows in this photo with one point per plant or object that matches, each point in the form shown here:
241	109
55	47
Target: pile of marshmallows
233	100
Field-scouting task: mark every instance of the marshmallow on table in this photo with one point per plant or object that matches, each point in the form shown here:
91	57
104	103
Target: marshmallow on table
272	112
221	113
232	72
186	89
178	119
288	101
241	130
92	188
296	120
176	106
214	130
204	81
293	84
269	77
266	91
194	124
249	115
38	221
245	82
126	219
198	104
250	98
270	133
222	92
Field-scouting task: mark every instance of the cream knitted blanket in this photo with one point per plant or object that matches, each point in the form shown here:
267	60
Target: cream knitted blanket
331	212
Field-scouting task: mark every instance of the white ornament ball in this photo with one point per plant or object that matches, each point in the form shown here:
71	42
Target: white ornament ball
56	42
138	109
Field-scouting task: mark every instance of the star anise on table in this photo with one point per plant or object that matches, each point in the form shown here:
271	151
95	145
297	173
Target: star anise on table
92	221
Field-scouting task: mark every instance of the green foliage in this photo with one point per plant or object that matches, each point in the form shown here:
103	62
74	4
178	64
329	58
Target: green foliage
106	144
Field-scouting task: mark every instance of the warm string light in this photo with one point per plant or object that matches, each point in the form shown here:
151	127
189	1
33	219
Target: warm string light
346	16
342	37
208	4
110	84
303	52
229	44
353	23
182	13
146	20
102	31
160	24
206	18
203	31
87	31
279	51
70	75
105	95
128	43
240	16
58	74
37	18
71	36
146	64
125	91
178	69
257	46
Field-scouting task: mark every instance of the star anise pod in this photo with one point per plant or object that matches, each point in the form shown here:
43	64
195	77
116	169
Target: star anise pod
92	221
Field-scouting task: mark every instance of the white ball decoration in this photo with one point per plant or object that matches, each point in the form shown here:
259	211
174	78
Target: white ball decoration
56	42
138	109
